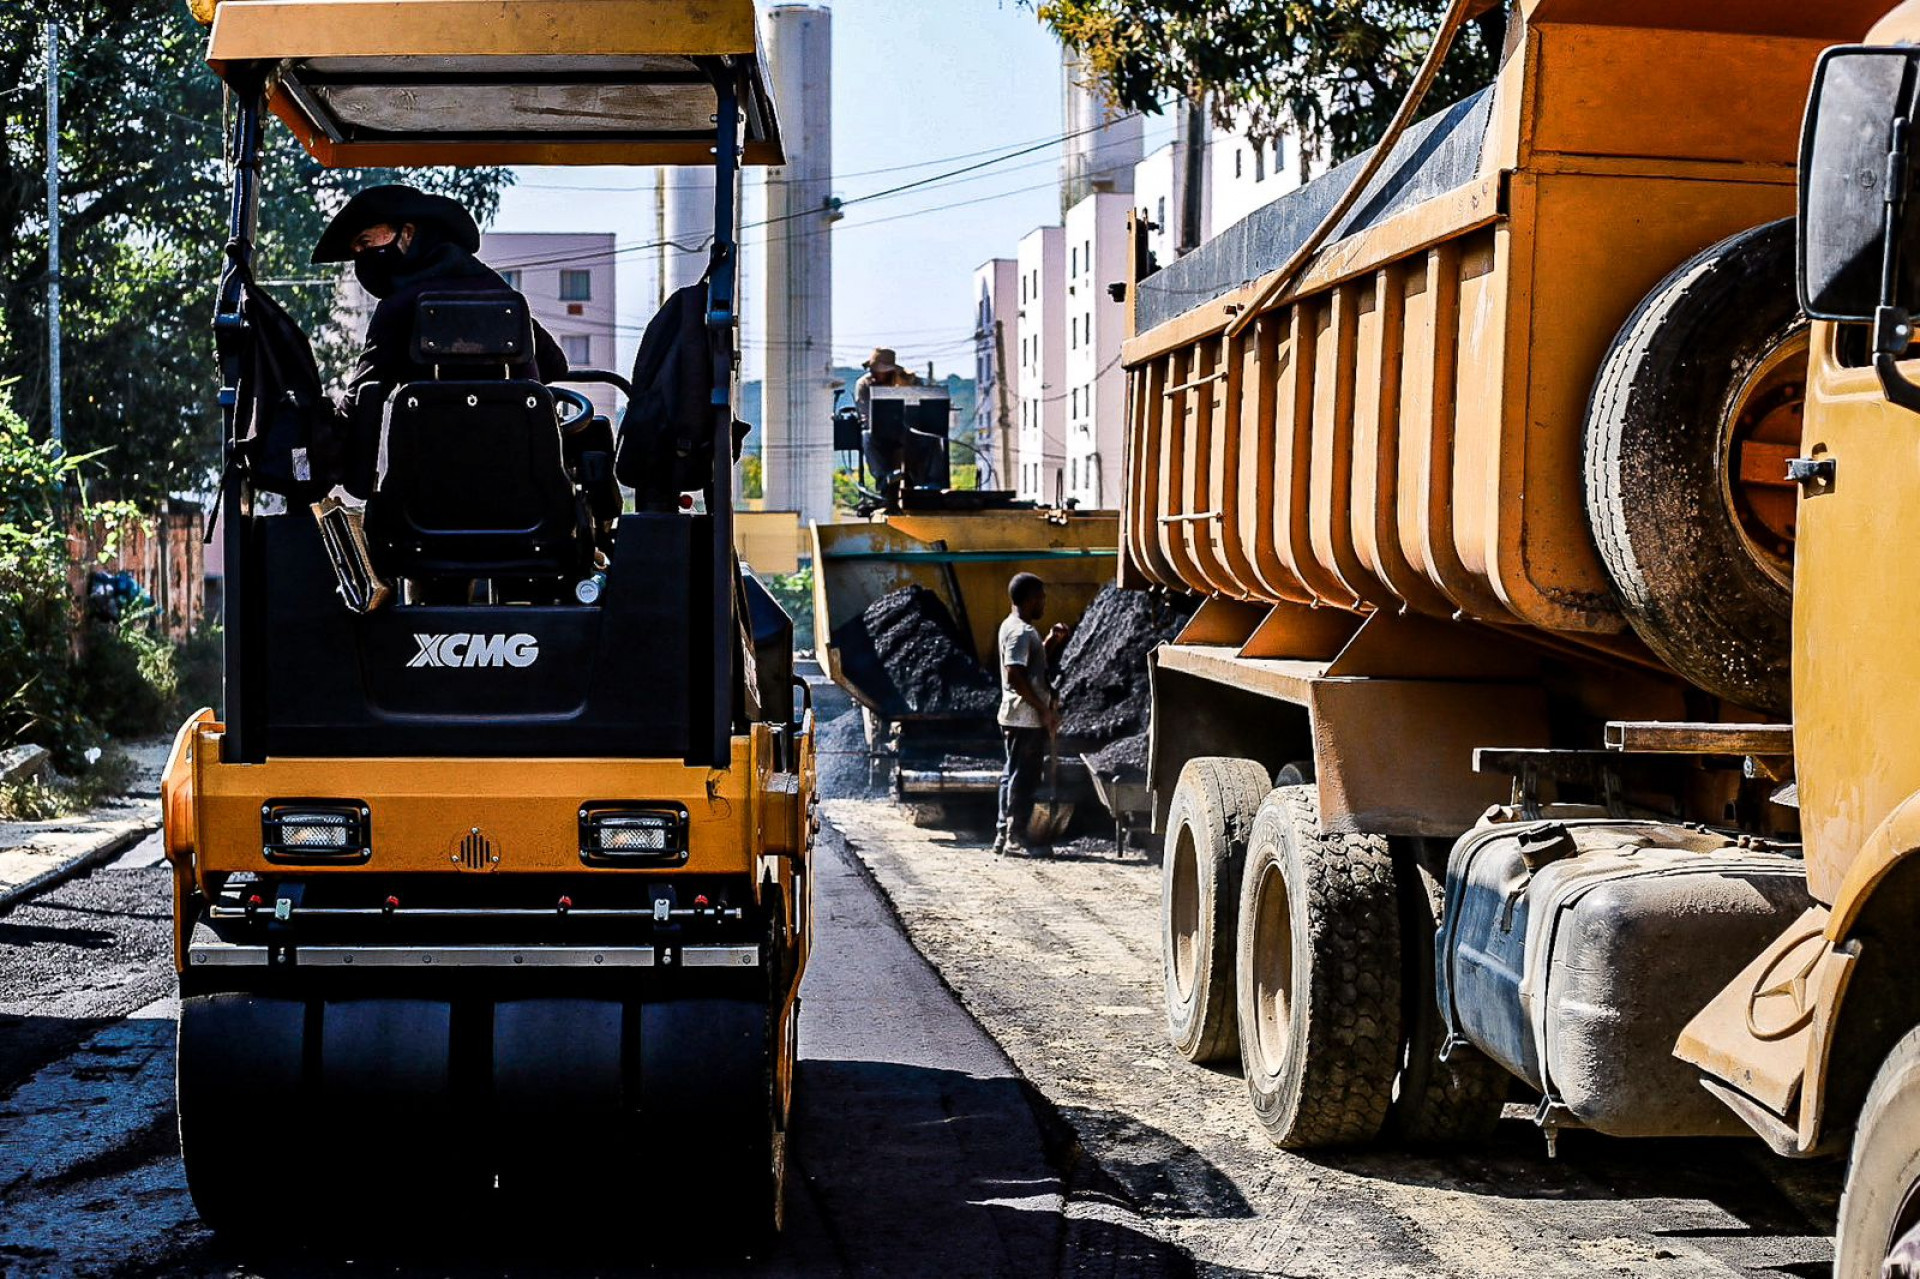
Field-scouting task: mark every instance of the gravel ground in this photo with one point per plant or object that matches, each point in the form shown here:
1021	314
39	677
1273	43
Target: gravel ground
1059	959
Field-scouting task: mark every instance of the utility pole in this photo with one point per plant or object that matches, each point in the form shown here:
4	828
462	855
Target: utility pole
1193	188
53	234
1004	466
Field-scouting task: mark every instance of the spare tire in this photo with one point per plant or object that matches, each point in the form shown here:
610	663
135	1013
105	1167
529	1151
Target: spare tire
1692	420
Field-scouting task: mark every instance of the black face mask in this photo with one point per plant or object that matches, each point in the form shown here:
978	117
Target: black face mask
376	268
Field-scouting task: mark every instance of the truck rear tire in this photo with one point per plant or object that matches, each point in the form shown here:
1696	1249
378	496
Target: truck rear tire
1695	410
1318	976
1882	1197
1211	816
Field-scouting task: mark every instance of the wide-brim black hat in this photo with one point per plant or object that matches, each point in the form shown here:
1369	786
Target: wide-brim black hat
395	204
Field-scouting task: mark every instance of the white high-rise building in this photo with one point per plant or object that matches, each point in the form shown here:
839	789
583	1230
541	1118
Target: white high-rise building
1236	177
1243	177
1160	191
797	439
1096	253
1041	264
996	370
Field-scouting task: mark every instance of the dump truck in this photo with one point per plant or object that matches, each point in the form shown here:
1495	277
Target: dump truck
490	876
1543	727
946	755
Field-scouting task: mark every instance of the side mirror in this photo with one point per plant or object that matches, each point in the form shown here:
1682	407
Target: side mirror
1852	150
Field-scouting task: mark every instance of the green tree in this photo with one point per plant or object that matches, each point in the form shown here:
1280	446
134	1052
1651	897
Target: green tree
143	221
794	593
1331	72
846	490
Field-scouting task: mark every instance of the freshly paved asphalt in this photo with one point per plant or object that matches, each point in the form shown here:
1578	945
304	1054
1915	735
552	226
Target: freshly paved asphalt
917	1149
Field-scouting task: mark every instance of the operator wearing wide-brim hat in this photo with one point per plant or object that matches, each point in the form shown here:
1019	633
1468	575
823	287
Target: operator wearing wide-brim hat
882	369
404	242
396	205
885	447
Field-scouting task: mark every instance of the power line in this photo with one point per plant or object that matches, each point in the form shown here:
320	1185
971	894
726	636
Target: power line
931	181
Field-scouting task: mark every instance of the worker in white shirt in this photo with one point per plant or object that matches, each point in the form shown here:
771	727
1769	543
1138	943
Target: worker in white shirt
1029	709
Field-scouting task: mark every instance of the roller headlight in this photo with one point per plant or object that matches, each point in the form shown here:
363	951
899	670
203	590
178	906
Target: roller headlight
302	830
633	835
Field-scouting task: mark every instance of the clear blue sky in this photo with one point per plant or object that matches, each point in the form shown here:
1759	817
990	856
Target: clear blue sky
913	85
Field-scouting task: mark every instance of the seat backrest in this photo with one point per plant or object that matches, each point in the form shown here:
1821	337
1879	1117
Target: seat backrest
471	483
471	479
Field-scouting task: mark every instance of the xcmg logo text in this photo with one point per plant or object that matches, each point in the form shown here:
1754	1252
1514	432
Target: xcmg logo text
475	650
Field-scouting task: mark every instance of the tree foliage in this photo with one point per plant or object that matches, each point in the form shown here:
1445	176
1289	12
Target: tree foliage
1330	72
143	221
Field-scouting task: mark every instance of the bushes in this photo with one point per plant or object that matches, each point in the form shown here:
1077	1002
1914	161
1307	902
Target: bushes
62	688
794	592
40	700
36	800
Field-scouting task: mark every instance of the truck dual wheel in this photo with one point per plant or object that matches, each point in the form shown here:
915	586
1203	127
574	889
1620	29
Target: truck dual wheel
1692	420
1208	824
1319	981
1881	1203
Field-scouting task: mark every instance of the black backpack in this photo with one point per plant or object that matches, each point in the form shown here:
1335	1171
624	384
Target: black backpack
666	434
286	436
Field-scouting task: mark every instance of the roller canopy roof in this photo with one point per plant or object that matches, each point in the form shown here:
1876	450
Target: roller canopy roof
407	83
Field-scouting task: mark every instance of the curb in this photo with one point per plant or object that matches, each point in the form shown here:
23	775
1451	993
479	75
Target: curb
103	847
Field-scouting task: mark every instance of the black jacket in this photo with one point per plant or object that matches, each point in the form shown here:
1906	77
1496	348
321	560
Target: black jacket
386	360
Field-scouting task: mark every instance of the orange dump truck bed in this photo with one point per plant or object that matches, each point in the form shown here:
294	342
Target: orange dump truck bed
1402	427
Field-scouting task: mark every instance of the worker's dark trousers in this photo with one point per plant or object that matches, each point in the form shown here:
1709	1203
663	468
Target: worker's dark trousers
1026	752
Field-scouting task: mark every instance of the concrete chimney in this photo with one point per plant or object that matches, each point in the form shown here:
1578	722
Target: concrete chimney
684	195
1102	144
797	441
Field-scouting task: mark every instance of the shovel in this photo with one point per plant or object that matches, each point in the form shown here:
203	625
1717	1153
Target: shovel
1051	814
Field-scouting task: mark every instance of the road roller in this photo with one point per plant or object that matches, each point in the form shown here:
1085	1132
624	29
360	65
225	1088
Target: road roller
490	875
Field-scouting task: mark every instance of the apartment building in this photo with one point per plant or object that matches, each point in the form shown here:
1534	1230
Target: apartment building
996	337
1096	411
568	282
1040	460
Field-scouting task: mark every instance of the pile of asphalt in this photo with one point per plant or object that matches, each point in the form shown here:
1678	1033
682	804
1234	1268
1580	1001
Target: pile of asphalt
1103	674
1124	757
907	654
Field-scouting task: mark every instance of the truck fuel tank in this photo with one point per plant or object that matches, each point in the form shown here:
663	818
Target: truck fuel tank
1574	951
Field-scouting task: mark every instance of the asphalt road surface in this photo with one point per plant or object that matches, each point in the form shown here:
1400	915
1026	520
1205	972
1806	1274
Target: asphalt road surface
918	1149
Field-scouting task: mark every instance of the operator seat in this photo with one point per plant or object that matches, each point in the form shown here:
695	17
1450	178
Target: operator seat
471	480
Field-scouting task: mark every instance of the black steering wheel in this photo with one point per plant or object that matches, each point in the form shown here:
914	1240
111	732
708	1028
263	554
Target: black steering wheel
575	410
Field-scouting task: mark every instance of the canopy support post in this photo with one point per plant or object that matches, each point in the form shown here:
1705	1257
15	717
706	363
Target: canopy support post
713	745
241	600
